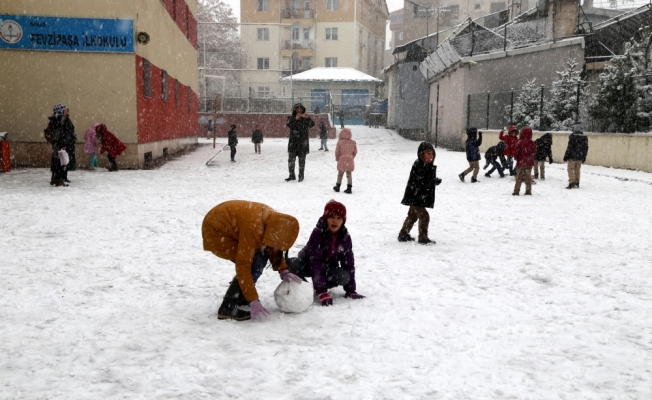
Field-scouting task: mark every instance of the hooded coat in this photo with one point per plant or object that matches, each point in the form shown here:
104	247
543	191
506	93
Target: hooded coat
110	144
326	250
233	138
511	143
345	152
544	147
299	142
235	230
420	189
473	142
525	149
90	139
491	155
578	147
257	136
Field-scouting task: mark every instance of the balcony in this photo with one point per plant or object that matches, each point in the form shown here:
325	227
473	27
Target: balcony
297	13
290	45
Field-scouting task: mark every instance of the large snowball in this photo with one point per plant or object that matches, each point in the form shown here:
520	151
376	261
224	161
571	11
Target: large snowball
293	297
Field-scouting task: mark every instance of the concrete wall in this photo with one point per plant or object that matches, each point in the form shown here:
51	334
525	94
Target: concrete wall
495	72
614	150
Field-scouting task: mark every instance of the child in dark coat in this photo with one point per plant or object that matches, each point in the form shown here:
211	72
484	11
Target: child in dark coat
473	142
328	256
491	158
544	150
233	141
257	139
420	194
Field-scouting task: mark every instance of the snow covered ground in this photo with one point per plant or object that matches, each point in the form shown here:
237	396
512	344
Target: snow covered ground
107	293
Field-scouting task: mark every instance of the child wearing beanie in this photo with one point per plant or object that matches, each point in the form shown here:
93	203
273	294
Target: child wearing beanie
420	193
328	256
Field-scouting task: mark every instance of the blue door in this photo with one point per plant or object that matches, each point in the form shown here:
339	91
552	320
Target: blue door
318	98
354	102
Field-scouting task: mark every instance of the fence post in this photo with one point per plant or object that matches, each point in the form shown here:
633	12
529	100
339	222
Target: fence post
511	109
622	105
468	110
578	101
541	107
437	116
488	102
505	39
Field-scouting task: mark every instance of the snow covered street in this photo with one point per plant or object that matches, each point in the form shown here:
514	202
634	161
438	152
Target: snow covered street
106	291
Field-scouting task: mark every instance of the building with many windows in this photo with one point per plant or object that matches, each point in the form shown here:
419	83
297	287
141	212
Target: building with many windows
285	37
131	65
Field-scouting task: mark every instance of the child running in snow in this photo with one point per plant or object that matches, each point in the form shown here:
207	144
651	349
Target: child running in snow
328	256
420	193
90	145
491	158
473	142
510	140
345	152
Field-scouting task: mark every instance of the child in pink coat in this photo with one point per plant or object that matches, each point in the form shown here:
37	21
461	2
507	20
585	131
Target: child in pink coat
90	145
344	154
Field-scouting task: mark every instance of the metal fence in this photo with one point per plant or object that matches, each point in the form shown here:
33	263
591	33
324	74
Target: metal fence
495	110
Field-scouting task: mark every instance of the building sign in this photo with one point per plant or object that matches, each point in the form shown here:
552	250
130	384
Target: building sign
20	32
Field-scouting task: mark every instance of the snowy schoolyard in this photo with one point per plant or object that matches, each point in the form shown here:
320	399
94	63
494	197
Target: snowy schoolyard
106	291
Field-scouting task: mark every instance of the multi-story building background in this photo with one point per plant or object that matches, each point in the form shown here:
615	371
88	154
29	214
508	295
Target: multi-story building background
285	37
423	17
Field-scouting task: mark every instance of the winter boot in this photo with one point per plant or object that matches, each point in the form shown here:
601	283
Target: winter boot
291	178
536	176
577	185
570	186
426	241
487	175
337	187
348	189
473	180
461	176
233	299
405	237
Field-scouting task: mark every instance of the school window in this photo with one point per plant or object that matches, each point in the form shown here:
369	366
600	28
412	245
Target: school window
332	5
164	85
295	33
263	63
306	4
263	5
176	93
263	33
331	33
147	78
263	91
331	62
189	99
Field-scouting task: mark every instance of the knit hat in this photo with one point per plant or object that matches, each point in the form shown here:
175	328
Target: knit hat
512	128
58	109
333	208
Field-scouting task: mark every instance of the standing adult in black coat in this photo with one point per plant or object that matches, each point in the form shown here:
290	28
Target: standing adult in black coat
53	134
578	148
233	141
69	139
299	144
420	194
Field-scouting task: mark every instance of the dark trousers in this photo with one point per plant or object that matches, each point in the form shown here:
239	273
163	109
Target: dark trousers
232	153
322	278
416	213
292	160
113	165
234	296
496	166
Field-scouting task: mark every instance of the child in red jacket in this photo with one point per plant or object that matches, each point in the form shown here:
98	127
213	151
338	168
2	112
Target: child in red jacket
510	140
111	145
524	154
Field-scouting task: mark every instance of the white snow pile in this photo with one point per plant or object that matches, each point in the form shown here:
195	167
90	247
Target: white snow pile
293	297
106	291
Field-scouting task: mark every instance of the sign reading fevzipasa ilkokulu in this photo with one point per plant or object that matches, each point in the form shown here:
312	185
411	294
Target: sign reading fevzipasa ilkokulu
25	32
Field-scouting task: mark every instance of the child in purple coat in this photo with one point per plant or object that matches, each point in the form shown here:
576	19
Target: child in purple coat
328	256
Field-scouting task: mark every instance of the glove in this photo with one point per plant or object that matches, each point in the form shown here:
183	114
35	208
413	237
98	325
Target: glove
288	276
437	181
258	311
326	299
354	296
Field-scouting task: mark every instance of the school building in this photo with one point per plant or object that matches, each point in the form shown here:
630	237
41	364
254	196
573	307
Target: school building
131	65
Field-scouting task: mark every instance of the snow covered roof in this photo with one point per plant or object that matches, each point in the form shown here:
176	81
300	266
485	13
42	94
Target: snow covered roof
336	74
609	37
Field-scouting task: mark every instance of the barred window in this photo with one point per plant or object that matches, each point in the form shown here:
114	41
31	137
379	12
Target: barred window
176	93
147	79
164	85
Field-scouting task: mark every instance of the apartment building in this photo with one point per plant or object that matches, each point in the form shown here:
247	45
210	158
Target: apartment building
428	16
131	64
285	37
